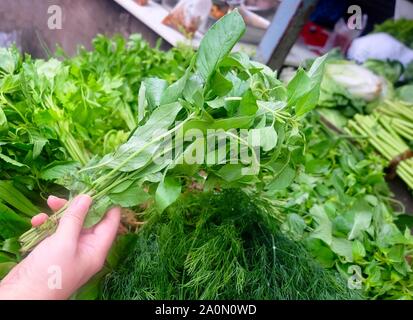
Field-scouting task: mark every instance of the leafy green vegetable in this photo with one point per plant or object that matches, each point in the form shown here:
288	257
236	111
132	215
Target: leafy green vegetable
401	29
167	192
11	224
349	218
143	158
391	70
223	35
12	196
351	88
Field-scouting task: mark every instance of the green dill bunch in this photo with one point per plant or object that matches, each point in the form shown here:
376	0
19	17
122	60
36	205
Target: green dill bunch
220	246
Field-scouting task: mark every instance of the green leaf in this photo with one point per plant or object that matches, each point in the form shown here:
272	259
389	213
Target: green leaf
243	122
282	181
11	245
5	267
218	42
220	85
236	59
155	88
231	172
92	289
343	248
38	142
141	147
317	166
9	83
321	251
58	170
12	196
3	121
268	138
294	226
7	257
48	69
248	105
324	227
167	192
97	211
11	224
362	219
7	60
193	86
404	221
358	250
298	86
175	90
142	103
303	90
216	103
12	161
239	87
132	196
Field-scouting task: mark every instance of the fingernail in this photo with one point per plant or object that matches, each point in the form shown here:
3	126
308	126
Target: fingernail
82	199
52	198
39	219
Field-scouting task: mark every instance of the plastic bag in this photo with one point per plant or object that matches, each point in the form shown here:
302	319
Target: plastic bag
188	15
380	46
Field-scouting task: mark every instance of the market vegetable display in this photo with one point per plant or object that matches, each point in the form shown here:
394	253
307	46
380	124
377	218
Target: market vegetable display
73	109
340	207
345	212
217	91
118	124
55	114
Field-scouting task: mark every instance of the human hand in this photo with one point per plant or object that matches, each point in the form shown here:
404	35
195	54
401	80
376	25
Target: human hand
66	260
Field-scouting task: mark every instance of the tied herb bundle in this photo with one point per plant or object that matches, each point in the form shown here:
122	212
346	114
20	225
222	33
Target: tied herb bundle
387	130
220	91
399	116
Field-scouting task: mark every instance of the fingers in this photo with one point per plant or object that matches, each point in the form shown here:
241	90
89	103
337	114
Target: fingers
56	203
106	230
71	223
39	219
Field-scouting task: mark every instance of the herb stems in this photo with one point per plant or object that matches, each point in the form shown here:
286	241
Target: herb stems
384	137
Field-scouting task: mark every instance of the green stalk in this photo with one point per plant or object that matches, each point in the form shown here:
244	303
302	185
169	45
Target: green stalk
386	140
128	117
99	188
8	103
